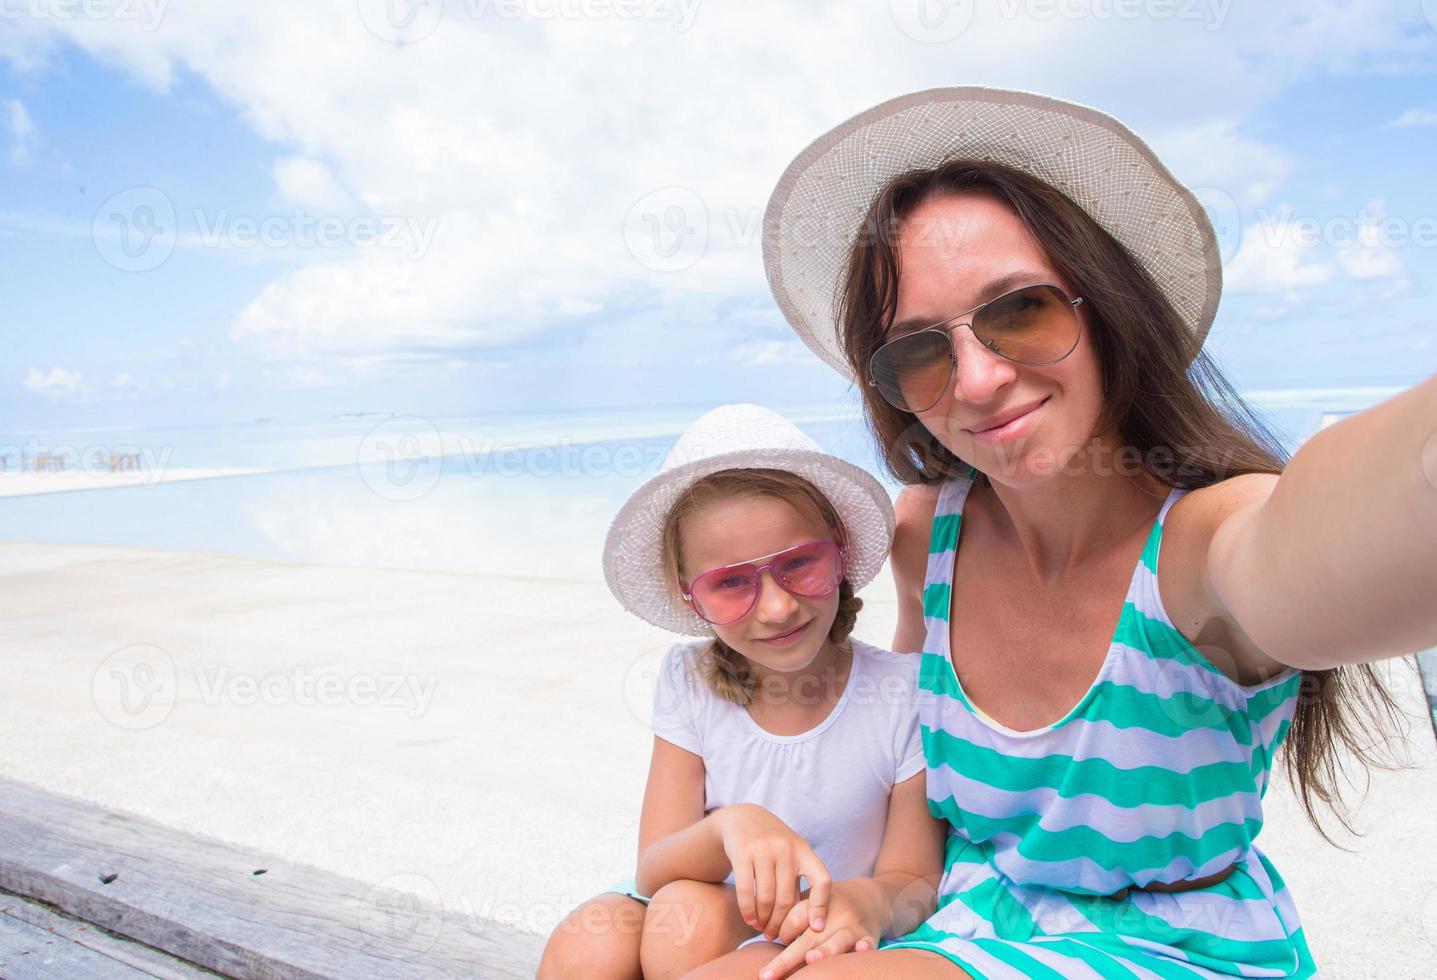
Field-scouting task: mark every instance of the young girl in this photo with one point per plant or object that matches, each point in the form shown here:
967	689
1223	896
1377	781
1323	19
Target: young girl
784	748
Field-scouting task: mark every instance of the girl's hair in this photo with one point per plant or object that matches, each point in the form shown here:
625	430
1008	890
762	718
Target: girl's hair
726	671
1167	402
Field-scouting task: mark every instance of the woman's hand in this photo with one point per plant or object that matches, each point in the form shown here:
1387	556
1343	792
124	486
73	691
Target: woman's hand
767	858
855	921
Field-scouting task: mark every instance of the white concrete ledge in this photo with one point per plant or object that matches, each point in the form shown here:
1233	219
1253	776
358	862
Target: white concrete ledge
479	742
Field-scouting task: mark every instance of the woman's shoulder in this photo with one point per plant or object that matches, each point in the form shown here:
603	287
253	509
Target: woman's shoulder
916	500
1202	526
1205	508
913	523
1196	519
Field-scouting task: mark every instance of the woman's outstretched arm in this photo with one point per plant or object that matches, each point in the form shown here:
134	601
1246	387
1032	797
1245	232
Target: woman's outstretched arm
1335	561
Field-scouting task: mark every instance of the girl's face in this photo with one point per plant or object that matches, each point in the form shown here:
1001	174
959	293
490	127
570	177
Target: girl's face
951	248
782	632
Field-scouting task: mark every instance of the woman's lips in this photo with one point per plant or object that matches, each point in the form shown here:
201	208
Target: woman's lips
1010	430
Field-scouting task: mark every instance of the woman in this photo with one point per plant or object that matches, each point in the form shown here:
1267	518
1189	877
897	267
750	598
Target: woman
1126	598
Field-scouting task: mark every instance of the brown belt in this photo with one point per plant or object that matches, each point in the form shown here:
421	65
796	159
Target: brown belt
1181	885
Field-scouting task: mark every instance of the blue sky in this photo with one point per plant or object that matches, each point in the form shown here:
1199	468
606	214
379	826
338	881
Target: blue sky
449	222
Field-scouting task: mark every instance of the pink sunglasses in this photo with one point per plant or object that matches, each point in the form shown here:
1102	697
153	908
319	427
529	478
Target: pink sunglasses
728	593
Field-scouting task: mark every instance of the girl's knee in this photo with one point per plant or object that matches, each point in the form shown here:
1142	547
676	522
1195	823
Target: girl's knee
688	924
682	910
599	939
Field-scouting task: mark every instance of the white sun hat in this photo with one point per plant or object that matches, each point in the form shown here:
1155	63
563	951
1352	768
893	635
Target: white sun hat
736	437
1101	165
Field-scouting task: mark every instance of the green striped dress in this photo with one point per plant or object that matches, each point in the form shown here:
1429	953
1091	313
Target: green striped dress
1156	774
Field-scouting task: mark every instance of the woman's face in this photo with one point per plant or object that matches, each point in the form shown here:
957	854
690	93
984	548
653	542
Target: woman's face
728	532
950	249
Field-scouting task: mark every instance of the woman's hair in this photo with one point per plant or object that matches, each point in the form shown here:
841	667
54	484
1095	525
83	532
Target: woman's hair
726	670
1168	403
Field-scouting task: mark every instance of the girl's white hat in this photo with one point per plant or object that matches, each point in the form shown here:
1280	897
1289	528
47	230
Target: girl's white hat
1104	167
734	437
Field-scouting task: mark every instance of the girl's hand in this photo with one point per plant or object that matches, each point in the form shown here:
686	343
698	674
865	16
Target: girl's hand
855	921
767	858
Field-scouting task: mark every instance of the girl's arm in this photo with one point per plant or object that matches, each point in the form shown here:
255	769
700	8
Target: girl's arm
1335	561
898	898
904	886
676	840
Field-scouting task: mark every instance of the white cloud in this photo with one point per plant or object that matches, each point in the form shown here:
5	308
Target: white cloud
310	184
576	307
57	382
15	120
1366	254
1274	257
528	141
1214	156
1415	117
121	380
772	352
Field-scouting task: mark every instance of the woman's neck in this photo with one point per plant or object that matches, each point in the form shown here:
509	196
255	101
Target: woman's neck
1075	517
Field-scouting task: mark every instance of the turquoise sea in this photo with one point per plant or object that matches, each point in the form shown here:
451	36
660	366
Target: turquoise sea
517	494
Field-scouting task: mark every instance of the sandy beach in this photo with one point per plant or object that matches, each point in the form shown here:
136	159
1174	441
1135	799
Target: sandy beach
481	741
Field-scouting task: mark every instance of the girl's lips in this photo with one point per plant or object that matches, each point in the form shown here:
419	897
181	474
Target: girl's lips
787	638
1010	430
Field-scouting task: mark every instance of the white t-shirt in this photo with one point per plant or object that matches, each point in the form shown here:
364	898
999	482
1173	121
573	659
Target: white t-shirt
831	784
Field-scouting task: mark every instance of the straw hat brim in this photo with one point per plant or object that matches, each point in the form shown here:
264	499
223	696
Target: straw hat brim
633	548
1100	164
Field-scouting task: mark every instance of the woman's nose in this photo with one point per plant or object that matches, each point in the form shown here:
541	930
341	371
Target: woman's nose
775	605
980	373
